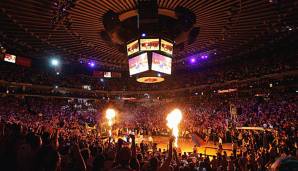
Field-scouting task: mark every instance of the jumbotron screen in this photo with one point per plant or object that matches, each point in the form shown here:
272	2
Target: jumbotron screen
10	58
107	74
149	44
161	63
138	64
133	47
166	47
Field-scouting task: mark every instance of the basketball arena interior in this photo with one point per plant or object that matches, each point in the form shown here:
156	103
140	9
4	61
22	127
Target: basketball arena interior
148	85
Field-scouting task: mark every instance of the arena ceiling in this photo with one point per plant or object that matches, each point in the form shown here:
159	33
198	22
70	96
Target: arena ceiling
226	26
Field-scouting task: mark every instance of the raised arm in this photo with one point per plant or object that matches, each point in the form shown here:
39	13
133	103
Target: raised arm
79	158
118	148
134	163
166	165
176	157
133	146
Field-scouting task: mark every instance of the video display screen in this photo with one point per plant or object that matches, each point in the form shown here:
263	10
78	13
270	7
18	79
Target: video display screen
107	74
149	44
166	47
138	64
133	47
161	63
10	58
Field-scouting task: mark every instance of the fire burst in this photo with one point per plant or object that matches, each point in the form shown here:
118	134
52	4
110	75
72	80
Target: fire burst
110	115
174	118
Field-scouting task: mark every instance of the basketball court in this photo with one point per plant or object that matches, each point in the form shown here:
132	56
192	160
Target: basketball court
186	145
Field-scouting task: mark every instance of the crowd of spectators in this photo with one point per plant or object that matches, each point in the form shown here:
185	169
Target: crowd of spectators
45	126
58	134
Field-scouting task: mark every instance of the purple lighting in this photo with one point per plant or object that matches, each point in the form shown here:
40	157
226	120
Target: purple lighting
91	64
204	57
193	60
